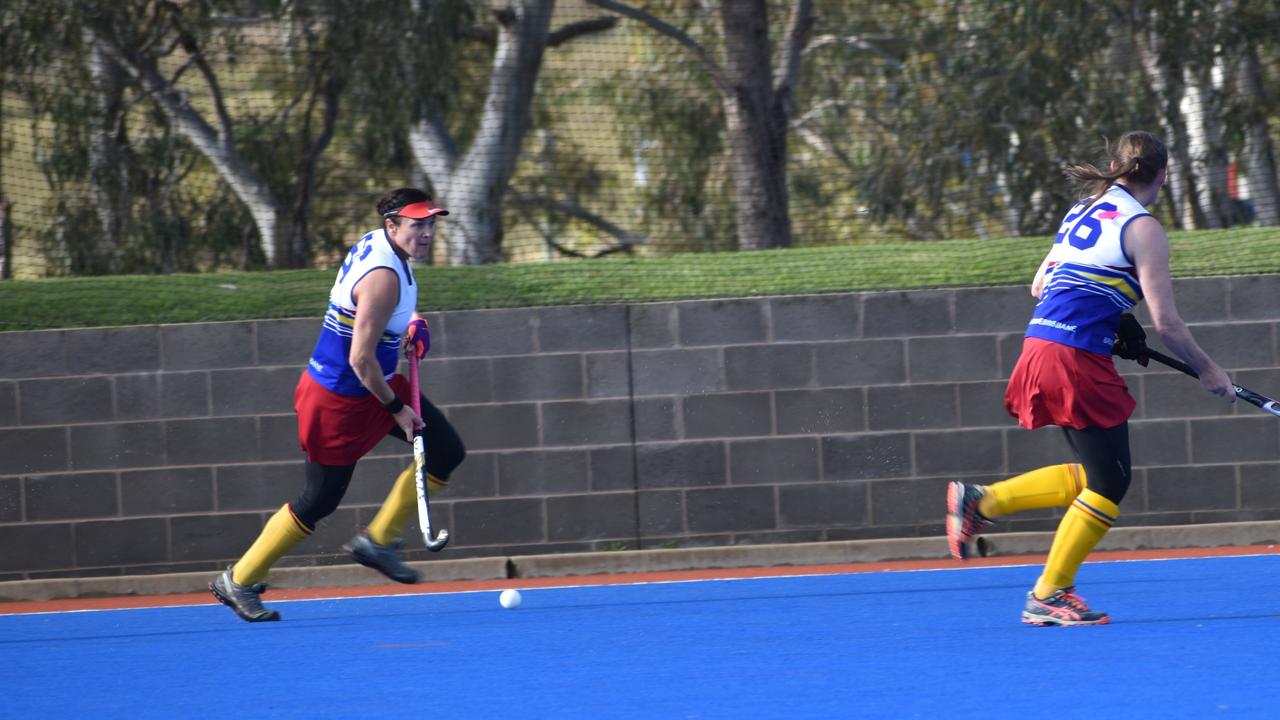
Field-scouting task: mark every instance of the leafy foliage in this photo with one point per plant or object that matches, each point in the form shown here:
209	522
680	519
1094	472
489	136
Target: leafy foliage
921	120
673	137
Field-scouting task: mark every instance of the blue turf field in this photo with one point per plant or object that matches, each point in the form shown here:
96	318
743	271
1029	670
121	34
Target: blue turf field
1190	639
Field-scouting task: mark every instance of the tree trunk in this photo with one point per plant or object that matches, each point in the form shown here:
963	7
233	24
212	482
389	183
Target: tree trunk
1206	146
472	185
1167	80
1258	180
108	156
756	125
6	240
329	96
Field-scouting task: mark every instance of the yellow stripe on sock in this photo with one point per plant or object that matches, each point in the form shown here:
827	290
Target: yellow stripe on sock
1084	524
400	504
281	533
1046	487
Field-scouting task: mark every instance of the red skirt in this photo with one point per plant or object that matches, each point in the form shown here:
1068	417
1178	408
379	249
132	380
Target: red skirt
338	429
1056	384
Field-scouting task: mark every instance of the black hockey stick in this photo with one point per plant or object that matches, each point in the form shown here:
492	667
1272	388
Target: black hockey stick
1243	393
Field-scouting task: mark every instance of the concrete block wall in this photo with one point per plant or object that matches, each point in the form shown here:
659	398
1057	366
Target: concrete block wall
783	419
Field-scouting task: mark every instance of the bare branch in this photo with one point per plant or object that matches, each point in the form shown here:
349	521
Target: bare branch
575	30
572	31
547	237
861	42
820	109
155	30
826	146
482	35
577	212
792	51
701	53
196	55
182	70
570	252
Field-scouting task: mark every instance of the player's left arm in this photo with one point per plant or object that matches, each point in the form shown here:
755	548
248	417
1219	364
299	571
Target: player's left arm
1148	245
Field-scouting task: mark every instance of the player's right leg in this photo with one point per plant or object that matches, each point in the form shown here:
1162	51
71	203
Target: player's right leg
971	509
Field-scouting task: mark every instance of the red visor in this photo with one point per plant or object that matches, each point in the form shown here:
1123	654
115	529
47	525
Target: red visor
418	210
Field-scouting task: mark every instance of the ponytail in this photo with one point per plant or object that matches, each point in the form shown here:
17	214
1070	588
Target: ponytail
1137	157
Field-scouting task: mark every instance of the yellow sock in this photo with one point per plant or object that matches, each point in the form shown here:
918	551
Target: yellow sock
1046	487
388	524
281	532
1086	521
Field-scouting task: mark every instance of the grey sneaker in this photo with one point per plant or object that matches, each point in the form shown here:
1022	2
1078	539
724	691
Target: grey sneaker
382	558
1064	607
243	599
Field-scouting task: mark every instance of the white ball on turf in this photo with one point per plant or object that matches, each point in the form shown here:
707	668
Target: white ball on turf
510	599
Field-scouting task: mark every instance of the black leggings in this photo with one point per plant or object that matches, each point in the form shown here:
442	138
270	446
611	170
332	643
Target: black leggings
326	484
1104	452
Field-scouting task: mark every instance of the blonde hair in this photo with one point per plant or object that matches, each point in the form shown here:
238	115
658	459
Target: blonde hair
1137	157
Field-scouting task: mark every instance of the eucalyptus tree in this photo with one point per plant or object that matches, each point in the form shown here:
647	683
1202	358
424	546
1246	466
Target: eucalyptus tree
469	152
147	39
756	97
1180	55
670	130
1254	34
344	81
1258	155
1204	61
186	81
107	112
73	96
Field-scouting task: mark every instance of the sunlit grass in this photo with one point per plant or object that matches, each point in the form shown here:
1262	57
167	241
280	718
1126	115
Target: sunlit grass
135	300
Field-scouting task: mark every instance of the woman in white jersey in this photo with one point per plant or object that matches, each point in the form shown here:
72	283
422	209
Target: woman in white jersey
1109	254
349	398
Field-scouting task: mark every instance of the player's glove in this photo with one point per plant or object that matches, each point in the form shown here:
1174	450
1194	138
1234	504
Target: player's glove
417	339
1131	340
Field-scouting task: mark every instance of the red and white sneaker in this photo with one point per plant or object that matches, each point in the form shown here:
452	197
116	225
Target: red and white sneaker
964	522
1064	607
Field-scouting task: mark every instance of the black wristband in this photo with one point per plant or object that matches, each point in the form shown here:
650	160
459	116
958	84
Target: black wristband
394	406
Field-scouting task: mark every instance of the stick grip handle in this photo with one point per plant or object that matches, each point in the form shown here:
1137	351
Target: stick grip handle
1172	362
413	384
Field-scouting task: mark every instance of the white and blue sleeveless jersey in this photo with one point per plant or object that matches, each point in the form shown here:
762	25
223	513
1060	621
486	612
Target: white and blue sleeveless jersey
1090	279
330	361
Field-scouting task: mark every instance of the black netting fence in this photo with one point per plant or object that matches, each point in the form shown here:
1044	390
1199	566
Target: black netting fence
195	135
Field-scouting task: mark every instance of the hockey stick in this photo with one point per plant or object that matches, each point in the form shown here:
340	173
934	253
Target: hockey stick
1243	393
437	543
